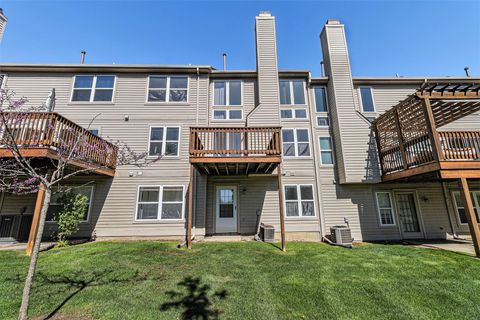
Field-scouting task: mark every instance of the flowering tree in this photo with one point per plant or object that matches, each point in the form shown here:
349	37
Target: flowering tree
24	128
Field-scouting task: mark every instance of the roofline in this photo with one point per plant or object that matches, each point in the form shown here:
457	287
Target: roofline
413	80
152	68
25	67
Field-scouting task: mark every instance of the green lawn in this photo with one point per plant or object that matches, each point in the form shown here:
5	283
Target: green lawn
249	280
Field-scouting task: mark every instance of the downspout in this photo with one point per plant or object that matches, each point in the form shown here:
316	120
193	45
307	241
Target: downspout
194	222
318	183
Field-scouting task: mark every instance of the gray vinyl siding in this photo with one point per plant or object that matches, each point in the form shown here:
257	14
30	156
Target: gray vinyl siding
358	204
339	94
258	194
119	206
3	26
249	98
267	111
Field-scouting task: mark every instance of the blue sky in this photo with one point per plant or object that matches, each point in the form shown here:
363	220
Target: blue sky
434	38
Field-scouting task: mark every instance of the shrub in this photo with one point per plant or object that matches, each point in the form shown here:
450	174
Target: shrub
70	214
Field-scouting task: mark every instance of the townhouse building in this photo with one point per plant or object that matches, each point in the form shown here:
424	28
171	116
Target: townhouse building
244	147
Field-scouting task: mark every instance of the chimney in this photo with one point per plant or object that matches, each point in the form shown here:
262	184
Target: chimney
224	61
82	59
343	105
3	24
266	113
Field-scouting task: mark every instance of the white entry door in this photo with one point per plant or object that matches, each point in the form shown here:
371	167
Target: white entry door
226	209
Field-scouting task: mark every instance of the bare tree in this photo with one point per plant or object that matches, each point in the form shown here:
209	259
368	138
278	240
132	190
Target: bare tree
23	127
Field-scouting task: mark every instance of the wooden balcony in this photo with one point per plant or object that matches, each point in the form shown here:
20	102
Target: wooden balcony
48	135
410	140
235	151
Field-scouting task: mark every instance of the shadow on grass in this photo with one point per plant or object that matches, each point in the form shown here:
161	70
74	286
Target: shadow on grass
80	280
195	303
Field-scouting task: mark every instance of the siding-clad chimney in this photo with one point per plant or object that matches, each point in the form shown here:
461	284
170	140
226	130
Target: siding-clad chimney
266	112
350	131
3	24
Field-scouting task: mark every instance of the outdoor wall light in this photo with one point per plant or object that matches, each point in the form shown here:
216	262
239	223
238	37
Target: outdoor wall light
126	117
425	199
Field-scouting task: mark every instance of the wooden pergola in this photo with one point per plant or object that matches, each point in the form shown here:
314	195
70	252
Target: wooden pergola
411	145
44	138
233	152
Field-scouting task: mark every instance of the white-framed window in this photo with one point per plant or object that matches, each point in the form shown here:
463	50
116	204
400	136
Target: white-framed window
320	95
164	141
160	203
93	88
54	206
299	200
367	102
227	93
164	88
95	131
227	114
462	216
385	208
323	121
326	150
292	92
293	113
295	143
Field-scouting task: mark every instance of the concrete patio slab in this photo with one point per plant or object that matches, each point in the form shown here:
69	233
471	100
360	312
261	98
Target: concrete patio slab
455	245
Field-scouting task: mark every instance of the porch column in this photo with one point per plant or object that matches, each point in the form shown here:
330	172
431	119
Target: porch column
36	219
190	209
280	198
470	213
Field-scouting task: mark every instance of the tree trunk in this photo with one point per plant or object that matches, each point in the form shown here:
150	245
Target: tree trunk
23	312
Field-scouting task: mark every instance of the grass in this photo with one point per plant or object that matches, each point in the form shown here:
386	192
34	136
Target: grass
154	280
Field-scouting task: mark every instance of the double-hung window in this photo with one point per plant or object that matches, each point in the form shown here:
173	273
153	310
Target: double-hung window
293	113
326	150
366	99
88	88
55	205
160	203
299	201
227	114
296	142
462	216
164	141
292	99
227	93
167	89
321	106
385	208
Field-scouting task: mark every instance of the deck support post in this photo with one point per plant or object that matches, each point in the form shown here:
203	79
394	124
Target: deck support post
280	198
470	213
190	208
432	130
36	219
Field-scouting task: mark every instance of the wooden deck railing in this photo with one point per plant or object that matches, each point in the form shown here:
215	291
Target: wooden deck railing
460	145
53	131
455	146
235	142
